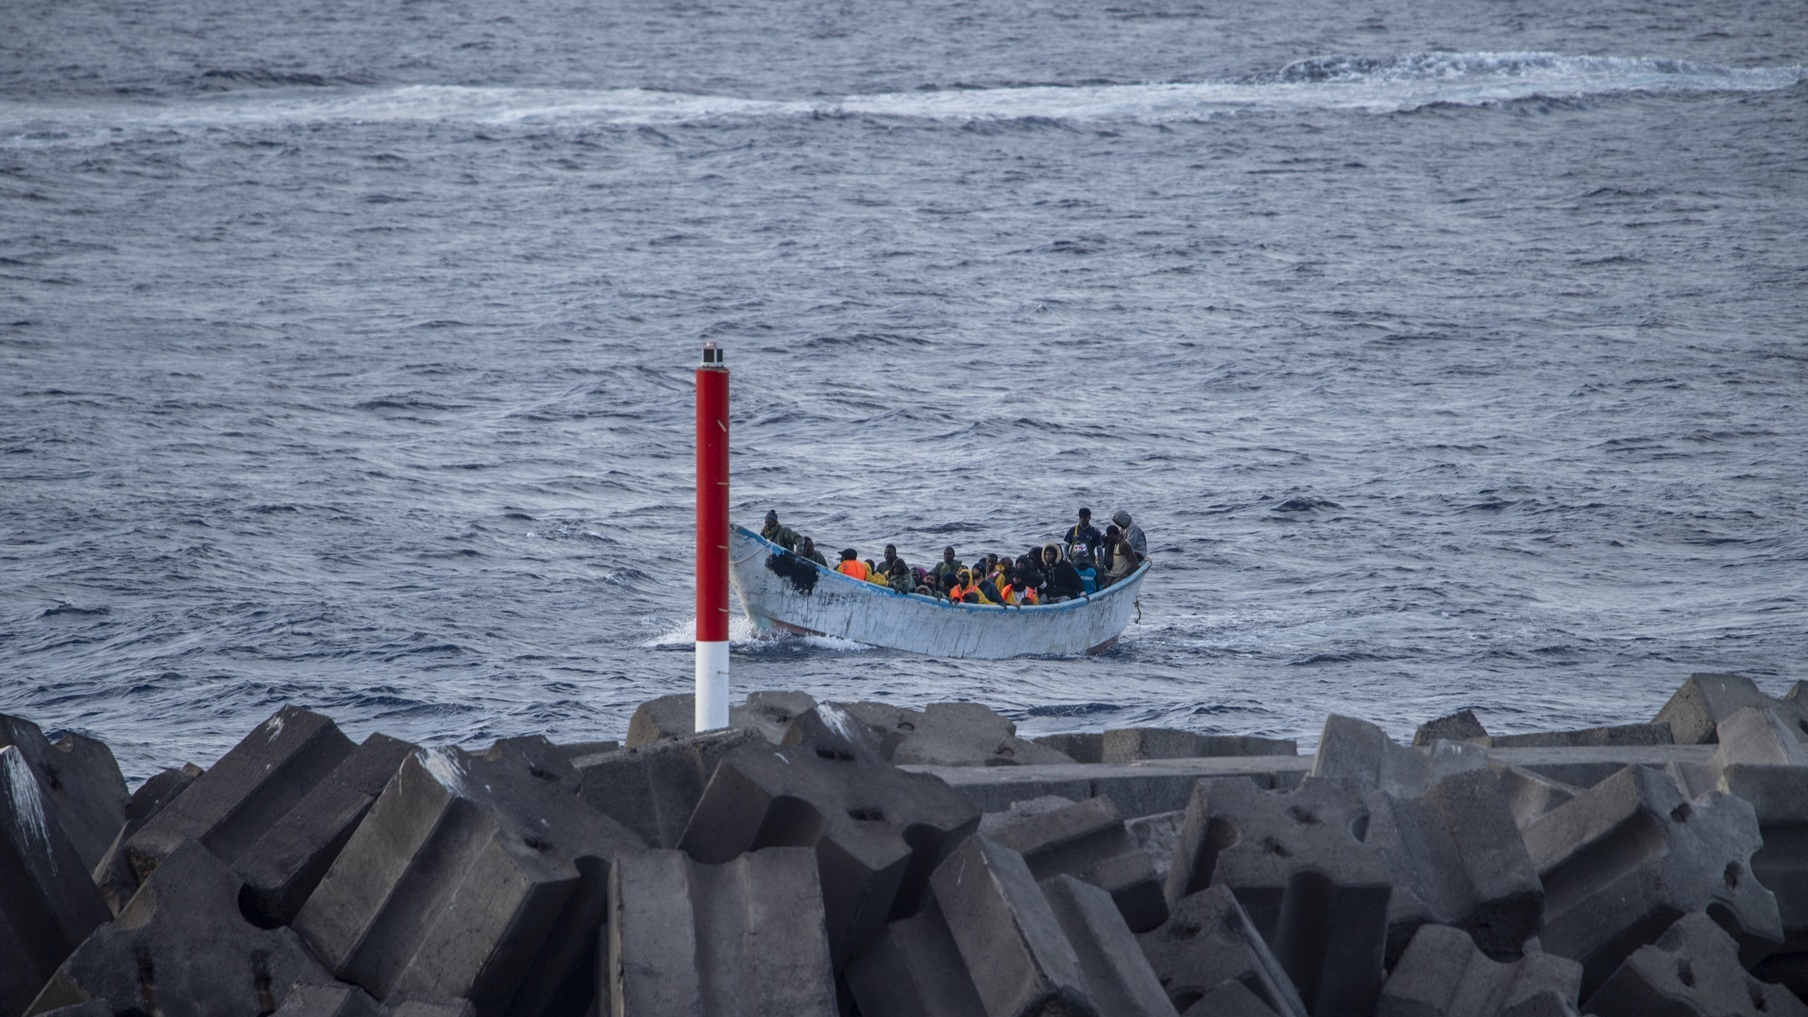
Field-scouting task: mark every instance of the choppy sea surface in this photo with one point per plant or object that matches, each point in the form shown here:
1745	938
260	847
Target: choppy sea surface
1450	354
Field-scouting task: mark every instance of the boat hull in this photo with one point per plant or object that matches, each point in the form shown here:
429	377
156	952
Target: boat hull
783	592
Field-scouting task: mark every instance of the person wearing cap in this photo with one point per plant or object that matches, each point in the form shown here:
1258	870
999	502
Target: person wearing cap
1083	532
1132	533
783	536
852	566
808	550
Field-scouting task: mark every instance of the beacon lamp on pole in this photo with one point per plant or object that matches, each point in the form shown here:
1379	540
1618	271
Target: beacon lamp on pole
712	541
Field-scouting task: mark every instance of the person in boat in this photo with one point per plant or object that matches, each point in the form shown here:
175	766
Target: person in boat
1108	550
1133	533
891	558
1083	532
783	536
808	550
901	580
1083	567
1123	562
948	566
1028	572
851	565
1061	581
877	575
1021	589
989	592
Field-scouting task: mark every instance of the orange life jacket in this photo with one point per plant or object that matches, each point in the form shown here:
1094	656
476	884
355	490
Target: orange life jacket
854	567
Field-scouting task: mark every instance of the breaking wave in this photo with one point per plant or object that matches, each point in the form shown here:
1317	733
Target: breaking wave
1338	81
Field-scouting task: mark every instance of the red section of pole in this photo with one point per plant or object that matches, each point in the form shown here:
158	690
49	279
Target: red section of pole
712	497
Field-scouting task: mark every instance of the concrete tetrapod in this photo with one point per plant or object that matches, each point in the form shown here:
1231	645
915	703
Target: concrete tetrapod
1208	941
1623	860
1760	761
1088	840
653	788
285	864
1444	974
1696	709
1134	744
47	904
742	939
78	783
480	877
1692	970
1457	859
248	791
113	875
1057	949
1299	865
878	831
914	969
1361	753
180	947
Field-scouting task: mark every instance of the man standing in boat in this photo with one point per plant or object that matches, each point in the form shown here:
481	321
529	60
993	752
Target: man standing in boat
1083	532
783	536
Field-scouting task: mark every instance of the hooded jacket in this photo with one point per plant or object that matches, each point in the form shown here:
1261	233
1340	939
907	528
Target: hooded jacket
1061	579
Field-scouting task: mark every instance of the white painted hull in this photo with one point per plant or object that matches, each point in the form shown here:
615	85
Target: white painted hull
784	592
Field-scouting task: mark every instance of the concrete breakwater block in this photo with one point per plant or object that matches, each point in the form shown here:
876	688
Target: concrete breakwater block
914	969
1696	709
1361	753
1530	795
968	734
742	938
1298	863
1456	858
1058	948
78	782
1693	968
284	865
1623	860
1444	974
1461	726
1133	744
113	875
246	792
1088	840
878	831
1136	789
1617	735
768	713
653	788
474	876
1760	761
180	947
1209	941
1080	746
48	906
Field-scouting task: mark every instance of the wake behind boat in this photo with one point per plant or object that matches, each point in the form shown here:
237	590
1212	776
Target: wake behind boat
783	591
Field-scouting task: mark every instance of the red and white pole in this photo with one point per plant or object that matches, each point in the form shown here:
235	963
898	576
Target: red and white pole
712	541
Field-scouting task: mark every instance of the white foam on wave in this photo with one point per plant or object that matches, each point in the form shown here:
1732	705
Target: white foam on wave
1340	81
743	636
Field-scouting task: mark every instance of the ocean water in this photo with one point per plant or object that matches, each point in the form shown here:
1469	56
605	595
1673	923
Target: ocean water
1450	354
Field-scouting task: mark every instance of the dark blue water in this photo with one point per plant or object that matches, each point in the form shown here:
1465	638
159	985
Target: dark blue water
1451	355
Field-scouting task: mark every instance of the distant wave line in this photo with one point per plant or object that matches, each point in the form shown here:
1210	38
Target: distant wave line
1338	81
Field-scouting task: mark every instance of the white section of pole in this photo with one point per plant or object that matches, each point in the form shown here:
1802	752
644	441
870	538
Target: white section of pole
712	685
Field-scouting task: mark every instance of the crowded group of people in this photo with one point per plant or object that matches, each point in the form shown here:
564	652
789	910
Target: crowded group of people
1084	561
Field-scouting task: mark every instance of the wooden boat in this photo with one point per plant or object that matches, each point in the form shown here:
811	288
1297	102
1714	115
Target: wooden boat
785	592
